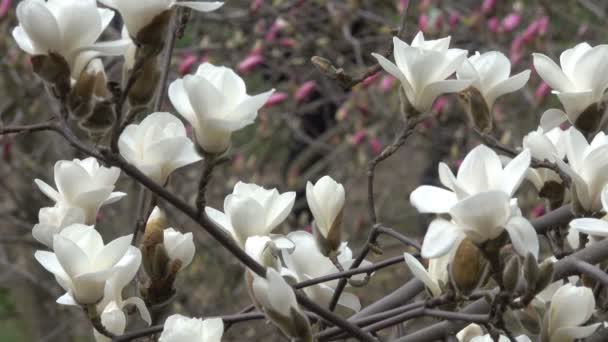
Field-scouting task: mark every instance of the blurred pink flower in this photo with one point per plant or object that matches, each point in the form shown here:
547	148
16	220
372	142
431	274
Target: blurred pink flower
250	62
402	5
358	137
511	21
487	6
424	5
288	43
256	5
5	6
493	24
454	19
516	49
386	83
423	23
305	90
186	63
440	104
276	98
368	81
204	59
582	29
6	150
543	25
538	211
541	92
375	145
274	30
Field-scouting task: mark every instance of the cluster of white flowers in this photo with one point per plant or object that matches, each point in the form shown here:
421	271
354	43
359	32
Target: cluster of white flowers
477	204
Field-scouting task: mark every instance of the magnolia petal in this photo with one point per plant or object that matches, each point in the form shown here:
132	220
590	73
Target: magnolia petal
40	25
220	219
72	259
201	6
523	236
213	329
281	208
349	300
422	274
141	307
514	172
48	190
67	299
482	216
433	90
551	73
569	334
439	239
590	226
181	102
431	199
571	306
552	118
509	85
392	69
112	253
24	41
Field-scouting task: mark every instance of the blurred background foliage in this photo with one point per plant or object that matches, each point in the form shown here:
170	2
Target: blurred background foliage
312	127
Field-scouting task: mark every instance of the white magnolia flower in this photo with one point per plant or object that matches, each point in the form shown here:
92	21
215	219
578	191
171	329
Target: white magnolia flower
579	83
545	146
307	262
423	69
180	328
489	73
501	338
52	220
67	28
586	165
469	332
138	14
326	202
157	146
571	306
266	249
591	226
252	210
179	246
111	308
432	278
82	263
83	184
215	102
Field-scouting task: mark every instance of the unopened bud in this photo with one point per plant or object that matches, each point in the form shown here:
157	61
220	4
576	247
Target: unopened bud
101	119
145	85
152	37
510	274
466	267
545	275
330	244
477	109
153	239
54	69
531	270
589	120
91	82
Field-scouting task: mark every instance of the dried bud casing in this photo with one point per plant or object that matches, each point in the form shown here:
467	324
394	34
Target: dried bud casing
54	69
330	244
146	83
466	268
477	109
511	274
151	38
101	119
91	82
555	192
588	122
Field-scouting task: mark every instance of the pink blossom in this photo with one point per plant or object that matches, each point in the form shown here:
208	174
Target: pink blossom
186	64
516	49
250	62
493	24
7	148
582	30
541	92
288	43
487	6
274	30
538	211
256	5
386	83
5	6
305	91
423	23
543	25
454	19
358	138
375	145
402	5
276	99
204	59
368	81
424	5
511	21
439	105
530	32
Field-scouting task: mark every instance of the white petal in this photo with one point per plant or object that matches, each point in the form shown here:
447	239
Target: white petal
552	118
431	199
201	6
141	307
220	219
421	273
72	259
48	190
213	329
514	172
508	86
433	90
482	216
590	226
439	239
551	73
523	236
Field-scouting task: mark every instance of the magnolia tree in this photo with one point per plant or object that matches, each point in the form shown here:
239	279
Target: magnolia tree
483	272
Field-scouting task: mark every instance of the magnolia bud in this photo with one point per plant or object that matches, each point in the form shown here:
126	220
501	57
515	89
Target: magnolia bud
545	275
152	37
326	201
588	122
54	69
477	109
91	82
531	271
146	83
153	239
466	267
510	274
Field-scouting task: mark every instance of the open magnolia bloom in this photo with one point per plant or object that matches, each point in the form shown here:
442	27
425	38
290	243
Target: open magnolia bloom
437	275
82	263
83	184
326	202
501	338
423	69
278	301
549	146
469	332
157	146
587	165
52	220
489	73
51	26
266	250
180	328
252	210
592	226
580	85
215	102
111	307
139	14
571	306
307	262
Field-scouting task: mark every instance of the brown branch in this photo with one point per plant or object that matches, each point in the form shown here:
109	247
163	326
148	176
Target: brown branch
45	126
